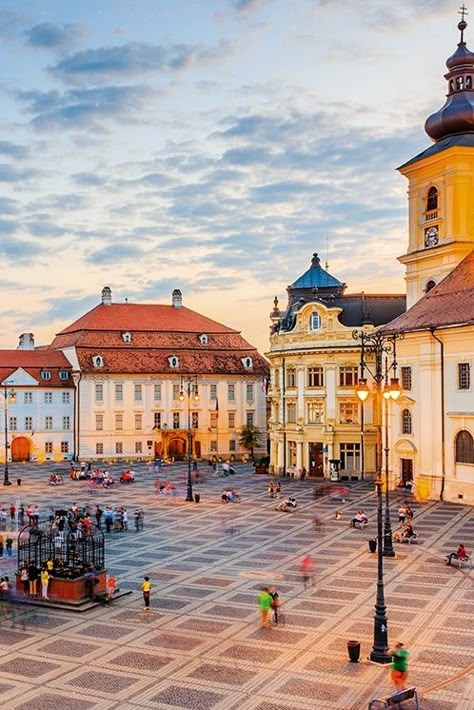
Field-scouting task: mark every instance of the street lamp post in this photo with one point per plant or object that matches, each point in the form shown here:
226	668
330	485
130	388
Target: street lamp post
189	390
377	344
6	395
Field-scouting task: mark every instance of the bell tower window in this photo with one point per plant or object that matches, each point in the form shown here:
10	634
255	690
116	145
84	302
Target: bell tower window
432	199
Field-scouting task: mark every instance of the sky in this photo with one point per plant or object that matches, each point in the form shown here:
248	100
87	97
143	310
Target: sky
210	146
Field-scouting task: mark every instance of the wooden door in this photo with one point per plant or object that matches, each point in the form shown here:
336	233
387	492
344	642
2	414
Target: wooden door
20	448
316	460
407	470
177	448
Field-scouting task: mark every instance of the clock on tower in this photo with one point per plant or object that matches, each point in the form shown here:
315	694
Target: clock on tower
431	236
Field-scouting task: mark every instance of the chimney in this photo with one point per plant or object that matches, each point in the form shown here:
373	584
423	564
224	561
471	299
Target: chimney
106	296
176	298
27	342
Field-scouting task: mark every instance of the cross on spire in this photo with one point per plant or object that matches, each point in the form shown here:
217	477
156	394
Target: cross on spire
462	24
463	11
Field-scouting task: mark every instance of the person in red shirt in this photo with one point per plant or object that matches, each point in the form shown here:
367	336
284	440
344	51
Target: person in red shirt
306	566
460	554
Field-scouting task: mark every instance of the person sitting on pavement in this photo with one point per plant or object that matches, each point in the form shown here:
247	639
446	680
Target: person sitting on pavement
360	519
287	505
460	554
407	533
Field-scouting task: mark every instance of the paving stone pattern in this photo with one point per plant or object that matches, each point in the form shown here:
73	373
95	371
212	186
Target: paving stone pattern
200	645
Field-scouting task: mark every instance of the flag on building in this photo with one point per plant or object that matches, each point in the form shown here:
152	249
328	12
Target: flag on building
217	408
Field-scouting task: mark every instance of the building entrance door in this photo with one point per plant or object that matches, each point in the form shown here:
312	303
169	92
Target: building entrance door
177	448
20	449
407	470
316	460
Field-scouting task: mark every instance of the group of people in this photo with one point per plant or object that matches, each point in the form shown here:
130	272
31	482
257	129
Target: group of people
230	495
274	489
55	479
360	520
287	506
127	477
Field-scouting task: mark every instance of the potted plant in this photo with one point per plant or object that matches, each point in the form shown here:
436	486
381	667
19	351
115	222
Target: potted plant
261	464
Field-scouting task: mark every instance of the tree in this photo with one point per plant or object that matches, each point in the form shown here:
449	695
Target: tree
249	437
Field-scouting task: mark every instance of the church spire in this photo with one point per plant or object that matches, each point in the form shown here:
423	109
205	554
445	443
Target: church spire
457	115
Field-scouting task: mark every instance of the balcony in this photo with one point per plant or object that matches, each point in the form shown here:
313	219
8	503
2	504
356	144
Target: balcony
430	215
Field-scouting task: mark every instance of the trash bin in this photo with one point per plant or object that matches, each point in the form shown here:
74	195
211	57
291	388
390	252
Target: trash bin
373	545
353	649
197	497
18	481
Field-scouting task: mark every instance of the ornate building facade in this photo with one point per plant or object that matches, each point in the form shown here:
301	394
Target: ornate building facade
316	416
433	442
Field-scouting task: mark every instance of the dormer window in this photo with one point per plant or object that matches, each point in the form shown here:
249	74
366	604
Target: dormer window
98	361
173	361
45	375
247	362
432	199
315	321
203	339
430	284
127	337
63	375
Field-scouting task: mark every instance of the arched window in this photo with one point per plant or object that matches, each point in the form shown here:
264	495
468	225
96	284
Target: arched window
315	321
464	447
406	422
432	199
429	285
469	82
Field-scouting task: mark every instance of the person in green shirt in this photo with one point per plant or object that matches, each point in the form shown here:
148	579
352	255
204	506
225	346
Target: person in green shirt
265	604
399	665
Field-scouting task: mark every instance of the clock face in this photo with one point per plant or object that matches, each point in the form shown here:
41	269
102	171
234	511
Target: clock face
431	236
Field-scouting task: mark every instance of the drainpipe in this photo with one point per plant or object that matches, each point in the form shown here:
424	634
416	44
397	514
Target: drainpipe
77	401
283	419
443	434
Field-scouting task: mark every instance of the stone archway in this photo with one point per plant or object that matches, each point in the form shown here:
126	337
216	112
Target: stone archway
177	448
20	448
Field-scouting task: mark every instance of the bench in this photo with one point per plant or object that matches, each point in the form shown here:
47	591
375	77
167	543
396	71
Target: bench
395	699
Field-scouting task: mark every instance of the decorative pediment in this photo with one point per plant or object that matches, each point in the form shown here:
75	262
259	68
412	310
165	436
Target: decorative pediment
20	378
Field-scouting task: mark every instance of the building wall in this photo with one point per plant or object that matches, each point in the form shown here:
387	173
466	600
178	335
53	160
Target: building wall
209	432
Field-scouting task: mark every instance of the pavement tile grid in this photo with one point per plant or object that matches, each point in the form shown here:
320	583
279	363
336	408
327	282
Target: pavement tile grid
200	646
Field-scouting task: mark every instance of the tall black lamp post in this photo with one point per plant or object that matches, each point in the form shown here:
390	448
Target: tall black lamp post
189	391
378	345
6	396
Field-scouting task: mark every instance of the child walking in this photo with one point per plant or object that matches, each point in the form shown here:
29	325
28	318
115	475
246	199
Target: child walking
146	588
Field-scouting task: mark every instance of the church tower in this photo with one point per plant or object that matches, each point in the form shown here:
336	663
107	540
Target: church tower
441	183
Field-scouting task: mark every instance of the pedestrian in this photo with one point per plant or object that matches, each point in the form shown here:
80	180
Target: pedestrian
307	571
98	515
195	465
111	584
9	546
136	518
265	603
21	515
1	546
141	518
276	603
146	589
409	512
402	514
125	519
278	490
33	579
271	489
12	513
44	583
24	578
399	668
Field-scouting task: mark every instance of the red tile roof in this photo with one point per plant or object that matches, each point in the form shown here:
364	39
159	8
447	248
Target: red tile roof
33	362
449	303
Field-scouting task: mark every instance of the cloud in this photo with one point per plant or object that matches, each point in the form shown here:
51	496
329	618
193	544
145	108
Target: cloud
80	108
88	179
20	251
65	308
14	150
45	228
132	59
8	173
115	253
8	206
8	226
50	36
244	6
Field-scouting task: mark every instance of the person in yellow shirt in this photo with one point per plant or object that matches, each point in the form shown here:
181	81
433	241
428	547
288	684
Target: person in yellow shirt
146	588
44	583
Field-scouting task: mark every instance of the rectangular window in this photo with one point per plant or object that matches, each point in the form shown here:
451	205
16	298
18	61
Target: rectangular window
406	378
231	393
349	455
48	447
137	393
349	412
250	417
213	392
118	447
99	393
291	377
157	420
119	393
157	392
28	423
231	422
66	422
176	420
292	453
315	377
464	376
48	397
195	420
213	446
48	422
99	422
315	412
119	422
99	448
138	447
13	424
348	376
249	392
232	445
64	447
176	392
28	397
291	413
138	422
66	397
213	419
